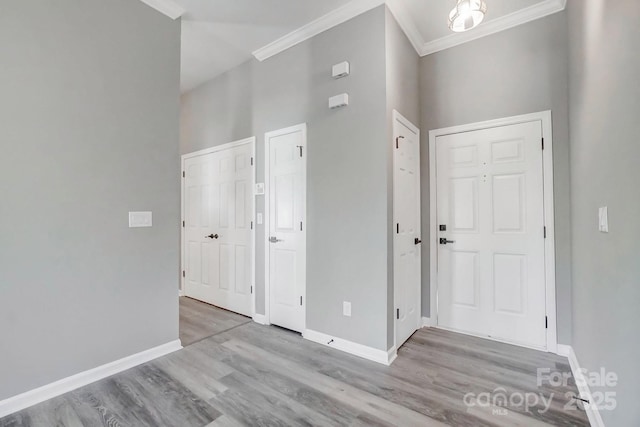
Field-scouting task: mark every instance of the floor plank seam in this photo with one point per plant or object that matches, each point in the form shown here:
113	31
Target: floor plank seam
219	333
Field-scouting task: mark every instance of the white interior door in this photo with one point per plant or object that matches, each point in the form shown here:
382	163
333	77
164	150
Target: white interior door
490	217
286	226
218	209
407	239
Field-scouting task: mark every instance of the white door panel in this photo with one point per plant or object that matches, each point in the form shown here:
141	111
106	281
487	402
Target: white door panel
406	212
490	198
218	224
286	231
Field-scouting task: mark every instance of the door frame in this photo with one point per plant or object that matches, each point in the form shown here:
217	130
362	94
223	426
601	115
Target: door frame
267	213
217	148
399	118
544	117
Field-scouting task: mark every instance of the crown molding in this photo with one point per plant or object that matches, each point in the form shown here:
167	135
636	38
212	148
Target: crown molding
406	22
166	7
531	13
330	20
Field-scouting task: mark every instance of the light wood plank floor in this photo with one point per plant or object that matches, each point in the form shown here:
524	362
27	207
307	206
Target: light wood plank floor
265	376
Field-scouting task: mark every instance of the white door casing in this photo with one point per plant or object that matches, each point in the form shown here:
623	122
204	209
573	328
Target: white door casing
493	186
406	234
218	236
285	198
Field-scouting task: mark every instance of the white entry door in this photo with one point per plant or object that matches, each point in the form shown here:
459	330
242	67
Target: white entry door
490	217
286	228
218	215
407	239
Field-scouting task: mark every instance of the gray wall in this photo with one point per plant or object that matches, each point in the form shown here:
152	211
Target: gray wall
347	211
605	112
518	71
89	131
402	81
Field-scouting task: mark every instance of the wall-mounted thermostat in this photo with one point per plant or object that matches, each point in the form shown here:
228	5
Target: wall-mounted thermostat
340	70
338	101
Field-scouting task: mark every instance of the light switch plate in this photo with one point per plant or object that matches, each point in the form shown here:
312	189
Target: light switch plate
140	219
259	188
346	308
603	219
259	217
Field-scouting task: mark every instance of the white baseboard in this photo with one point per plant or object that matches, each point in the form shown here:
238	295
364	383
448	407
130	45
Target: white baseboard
595	419
369	353
260	319
427	323
563	350
65	385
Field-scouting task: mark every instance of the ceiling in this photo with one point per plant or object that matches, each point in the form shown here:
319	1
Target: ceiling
218	35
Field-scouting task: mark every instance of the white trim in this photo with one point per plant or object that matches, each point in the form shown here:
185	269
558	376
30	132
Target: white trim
547	155
65	385
260	319
399	118
313	28
407	23
595	419
251	140
366	352
166	7
563	350
531	13
267	208
426	322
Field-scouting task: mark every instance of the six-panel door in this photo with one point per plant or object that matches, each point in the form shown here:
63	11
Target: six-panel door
491	277
286	228
218	221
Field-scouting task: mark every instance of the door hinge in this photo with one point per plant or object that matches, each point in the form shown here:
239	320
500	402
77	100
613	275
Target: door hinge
182	224
546	322
397	228
184	274
300	148
545	232
183	174
300	299
252	225
397	141
543	143
252	161
300	225
397	313
252	289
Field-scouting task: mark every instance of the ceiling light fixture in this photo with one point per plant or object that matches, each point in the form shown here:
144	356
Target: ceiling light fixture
467	15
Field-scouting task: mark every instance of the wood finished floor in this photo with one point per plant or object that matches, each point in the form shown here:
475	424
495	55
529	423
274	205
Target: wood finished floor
199	320
265	376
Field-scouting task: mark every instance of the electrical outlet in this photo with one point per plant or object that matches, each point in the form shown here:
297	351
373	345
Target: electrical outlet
346	308
603	219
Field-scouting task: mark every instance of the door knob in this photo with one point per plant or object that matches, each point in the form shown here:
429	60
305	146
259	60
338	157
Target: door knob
444	241
212	236
274	239
417	241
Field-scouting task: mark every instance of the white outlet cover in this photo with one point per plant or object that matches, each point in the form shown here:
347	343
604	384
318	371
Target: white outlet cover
259	188
140	219
603	219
